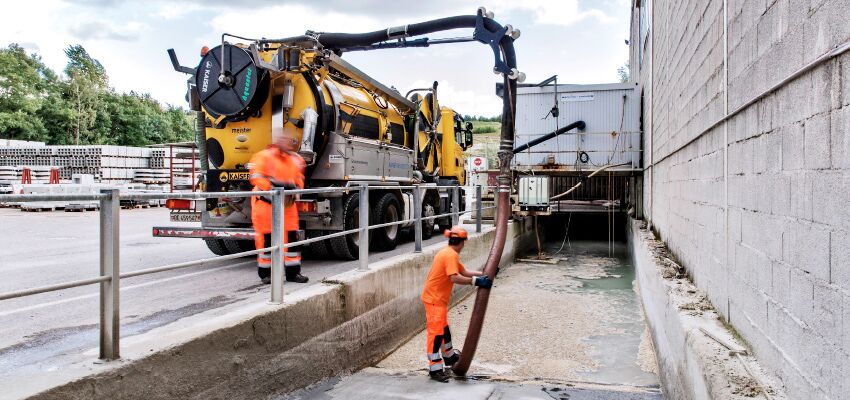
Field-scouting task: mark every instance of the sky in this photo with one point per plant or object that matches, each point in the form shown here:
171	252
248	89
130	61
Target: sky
581	41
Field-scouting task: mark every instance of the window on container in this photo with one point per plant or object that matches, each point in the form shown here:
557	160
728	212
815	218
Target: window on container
643	6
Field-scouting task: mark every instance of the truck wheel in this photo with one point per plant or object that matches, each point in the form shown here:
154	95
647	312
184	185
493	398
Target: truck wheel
320	250
246	245
386	210
231	245
217	246
345	247
428	210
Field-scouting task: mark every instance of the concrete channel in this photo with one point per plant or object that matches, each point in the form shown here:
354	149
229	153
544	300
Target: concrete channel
598	320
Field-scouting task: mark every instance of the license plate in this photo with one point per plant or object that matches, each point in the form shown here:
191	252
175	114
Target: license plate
186	217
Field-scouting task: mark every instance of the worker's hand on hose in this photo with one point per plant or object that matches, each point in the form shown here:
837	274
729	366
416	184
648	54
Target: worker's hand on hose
482	281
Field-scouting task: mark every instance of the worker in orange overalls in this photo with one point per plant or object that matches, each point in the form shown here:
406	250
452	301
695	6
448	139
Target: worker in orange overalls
277	166
446	270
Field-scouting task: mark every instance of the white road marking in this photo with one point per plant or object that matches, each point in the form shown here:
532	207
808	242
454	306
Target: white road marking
140	285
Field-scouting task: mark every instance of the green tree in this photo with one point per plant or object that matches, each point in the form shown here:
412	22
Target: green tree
87	79
81	108
22	91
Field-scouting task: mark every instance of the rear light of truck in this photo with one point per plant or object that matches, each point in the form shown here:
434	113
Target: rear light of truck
305	206
179	204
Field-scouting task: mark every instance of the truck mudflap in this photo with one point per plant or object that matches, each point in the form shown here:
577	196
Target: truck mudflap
204	233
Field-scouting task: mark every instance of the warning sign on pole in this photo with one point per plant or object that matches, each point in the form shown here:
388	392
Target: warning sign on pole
477	163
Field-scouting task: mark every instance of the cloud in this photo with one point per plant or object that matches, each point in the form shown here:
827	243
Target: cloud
463	101
290	20
377	9
101	30
561	12
172	11
95	3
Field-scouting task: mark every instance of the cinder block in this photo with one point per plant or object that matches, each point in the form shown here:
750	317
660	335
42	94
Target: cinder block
840	135
844	61
840	261
801	295
827	316
793	145
801	195
827	27
830	190
806	246
817	141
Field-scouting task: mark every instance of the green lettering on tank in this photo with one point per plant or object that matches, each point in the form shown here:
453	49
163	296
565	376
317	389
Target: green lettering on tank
247	85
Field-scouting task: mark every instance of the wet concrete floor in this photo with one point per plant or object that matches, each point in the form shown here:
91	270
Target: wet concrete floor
572	329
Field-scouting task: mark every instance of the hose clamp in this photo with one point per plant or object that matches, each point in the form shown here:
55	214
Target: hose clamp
397	32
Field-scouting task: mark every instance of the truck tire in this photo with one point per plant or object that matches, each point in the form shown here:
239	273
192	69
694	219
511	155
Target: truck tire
216	246
246	245
386	210
345	247
320	250
231	245
428	210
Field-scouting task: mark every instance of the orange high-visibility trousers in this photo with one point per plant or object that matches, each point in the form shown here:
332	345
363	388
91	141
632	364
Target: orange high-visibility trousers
291	256
439	342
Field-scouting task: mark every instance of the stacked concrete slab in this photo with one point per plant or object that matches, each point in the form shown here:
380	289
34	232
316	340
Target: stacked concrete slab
108	164
755	207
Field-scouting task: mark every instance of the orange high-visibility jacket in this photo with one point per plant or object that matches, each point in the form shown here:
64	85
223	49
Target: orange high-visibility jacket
283	167
438	284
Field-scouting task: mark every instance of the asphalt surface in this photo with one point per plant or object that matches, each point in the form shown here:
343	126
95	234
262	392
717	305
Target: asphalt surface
45	248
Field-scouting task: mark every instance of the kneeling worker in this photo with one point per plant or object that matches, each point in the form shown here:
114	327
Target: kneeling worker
445	272
277	166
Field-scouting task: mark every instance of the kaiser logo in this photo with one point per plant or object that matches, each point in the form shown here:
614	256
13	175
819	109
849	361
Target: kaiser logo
206	83
222	177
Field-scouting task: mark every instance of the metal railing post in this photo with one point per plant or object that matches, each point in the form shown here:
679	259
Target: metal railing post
455	206
277	241
110	207
363	243
417	217
478	208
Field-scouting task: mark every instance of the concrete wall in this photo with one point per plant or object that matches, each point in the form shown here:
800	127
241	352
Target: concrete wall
349	321
692	364
767	237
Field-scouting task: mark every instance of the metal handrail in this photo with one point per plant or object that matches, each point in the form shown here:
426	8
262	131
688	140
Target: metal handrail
202	261
53	288
109	237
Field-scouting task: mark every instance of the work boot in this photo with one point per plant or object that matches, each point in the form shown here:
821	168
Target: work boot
449	361
266	280
439	375
298	279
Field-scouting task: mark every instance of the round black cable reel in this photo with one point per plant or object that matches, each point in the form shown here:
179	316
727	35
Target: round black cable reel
237	93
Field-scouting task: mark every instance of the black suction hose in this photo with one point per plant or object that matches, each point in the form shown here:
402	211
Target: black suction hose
580	125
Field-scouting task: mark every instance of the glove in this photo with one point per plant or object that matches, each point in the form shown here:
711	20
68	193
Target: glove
482	281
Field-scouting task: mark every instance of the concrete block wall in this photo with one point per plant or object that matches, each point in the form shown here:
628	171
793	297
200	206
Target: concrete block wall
772	252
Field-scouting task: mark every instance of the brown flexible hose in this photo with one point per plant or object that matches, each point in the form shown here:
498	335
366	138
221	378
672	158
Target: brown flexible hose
503	210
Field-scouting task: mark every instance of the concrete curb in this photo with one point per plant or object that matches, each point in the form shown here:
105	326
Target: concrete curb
692	364
348	322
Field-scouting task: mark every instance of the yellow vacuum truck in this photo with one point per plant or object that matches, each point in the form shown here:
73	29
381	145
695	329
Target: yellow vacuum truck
353	130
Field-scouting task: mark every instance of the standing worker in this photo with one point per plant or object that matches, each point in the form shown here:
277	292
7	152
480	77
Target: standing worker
277	166
445	272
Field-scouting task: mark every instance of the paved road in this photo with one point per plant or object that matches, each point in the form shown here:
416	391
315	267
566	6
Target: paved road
39	249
